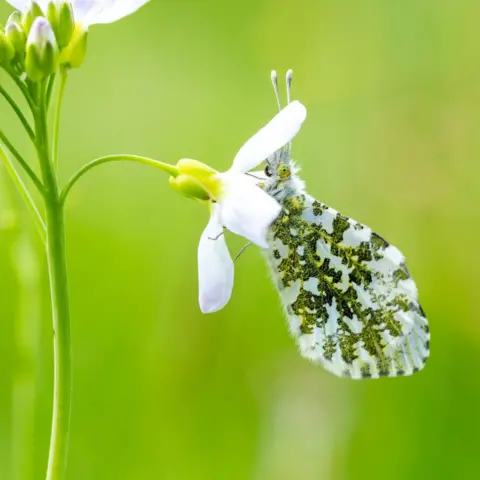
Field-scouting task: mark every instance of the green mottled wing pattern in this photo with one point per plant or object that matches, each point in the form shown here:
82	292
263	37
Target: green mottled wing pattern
349	298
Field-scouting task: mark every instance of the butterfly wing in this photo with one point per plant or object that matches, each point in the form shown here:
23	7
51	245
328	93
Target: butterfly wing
349	298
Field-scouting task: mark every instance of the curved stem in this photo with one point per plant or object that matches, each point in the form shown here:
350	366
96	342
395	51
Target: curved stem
23	88
58	109
57	268
171	169
25	194
22	162
18	112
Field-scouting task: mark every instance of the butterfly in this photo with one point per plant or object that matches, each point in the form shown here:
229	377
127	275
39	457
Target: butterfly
350	301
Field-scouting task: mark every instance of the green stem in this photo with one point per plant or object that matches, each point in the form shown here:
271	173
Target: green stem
171	169
58	109
17	180
50	88
18	112
23	88
22	162
57	267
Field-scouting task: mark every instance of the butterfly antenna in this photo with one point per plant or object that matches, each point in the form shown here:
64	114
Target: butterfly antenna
289	98
273	76
289	85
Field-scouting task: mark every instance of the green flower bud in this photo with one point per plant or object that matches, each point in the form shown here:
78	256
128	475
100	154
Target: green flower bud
17	38
66	24
74	53
7	52
29	16
61	18
189	186
42	51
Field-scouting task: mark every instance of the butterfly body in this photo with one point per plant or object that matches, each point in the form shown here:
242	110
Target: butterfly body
348	296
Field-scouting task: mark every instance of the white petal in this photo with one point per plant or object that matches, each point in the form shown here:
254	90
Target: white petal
18	4
215	267
257	176
43	4
90	12
246	209
21	4
277	133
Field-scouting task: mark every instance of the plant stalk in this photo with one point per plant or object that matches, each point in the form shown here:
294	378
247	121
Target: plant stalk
57	268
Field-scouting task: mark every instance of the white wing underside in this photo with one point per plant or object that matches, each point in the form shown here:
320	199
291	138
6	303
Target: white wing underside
349	299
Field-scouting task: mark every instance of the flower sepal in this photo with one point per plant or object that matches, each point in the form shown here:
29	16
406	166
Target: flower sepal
189	187
203	174
75	52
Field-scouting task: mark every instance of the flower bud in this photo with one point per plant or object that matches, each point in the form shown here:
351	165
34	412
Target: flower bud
74	53
7	52
17	38
189	186
61	18
29	16
42	51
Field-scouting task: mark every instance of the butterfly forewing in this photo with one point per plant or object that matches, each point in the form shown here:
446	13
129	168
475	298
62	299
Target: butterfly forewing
348	295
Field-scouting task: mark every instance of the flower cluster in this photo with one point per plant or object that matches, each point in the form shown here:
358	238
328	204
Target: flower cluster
43	35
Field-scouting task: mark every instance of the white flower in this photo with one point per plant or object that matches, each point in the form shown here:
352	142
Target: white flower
241	206
90	12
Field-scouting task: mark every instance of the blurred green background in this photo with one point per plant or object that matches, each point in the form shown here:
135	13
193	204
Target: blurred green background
164	392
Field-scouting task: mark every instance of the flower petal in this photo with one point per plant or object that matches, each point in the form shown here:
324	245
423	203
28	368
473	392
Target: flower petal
22	4
90	12
257	176
277	133
215	267
245	209
19	4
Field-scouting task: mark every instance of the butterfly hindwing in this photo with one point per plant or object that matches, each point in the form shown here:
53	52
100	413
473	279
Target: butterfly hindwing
349	298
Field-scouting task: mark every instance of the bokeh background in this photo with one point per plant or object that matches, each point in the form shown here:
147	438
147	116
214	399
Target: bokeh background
164	392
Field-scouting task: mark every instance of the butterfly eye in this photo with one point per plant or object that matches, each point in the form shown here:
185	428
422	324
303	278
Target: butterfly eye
268	171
